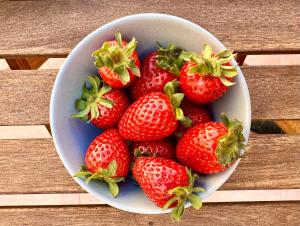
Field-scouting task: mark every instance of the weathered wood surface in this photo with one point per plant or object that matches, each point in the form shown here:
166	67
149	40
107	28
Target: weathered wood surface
33	166
262	214
53	28
25	97
274	92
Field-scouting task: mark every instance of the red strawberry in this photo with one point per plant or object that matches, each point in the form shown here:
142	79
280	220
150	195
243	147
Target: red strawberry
160	148
197	113
211	147
157	70
205	78
118	62
152	116
100	104
106	159
167	183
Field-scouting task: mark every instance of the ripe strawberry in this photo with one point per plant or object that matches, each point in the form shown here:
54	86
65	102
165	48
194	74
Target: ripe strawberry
153	116
197	114
211	147
106	159
100	104
167	184
117	62
158	68
160	148
205	78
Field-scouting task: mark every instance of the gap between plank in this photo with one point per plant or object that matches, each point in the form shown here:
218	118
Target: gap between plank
87	199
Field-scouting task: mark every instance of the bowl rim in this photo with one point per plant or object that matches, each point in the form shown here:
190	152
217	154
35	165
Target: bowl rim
90	37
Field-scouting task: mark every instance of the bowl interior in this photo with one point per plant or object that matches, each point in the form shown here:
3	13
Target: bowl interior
71	137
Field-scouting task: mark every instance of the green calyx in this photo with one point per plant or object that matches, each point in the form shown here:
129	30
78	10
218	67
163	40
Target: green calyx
230	147
168	58
183	194
106	175
92	96
118	58
212	64
176	99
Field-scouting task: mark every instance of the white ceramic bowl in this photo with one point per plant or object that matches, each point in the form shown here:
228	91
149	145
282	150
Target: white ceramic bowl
71	137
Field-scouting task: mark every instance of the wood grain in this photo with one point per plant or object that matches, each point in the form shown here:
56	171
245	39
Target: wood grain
26	63
25	95
273	162
262	214
53	28
289	126
274	91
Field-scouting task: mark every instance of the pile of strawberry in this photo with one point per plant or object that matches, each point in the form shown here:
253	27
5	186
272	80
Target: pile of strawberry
147	133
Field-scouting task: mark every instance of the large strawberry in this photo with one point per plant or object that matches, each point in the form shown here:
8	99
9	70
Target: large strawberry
106	159
197	113
158	68
117	62
211	147
101	105
205	78
167	184
153	116
160	148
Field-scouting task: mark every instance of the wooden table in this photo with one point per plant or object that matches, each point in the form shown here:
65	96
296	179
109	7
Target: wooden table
35	188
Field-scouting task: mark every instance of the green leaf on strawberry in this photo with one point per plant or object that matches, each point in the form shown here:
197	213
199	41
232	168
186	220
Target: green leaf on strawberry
168	58
210	64
92	96
118	58
176	99
107	175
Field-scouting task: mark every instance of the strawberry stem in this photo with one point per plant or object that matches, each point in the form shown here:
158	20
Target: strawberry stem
183	194
176	99
92	96
230	147
107	175
210	64
118	58
168	58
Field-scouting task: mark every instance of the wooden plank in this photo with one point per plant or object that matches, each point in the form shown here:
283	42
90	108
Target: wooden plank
26	63
67	199
274	91
263	26
263	214
25	97
20	107
289	126
272	163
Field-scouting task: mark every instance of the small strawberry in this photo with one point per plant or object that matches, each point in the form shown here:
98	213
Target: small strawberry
211	147
100	104
197	114
106	159
205	78
153	116
158	68
117	62
167	184
160	148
